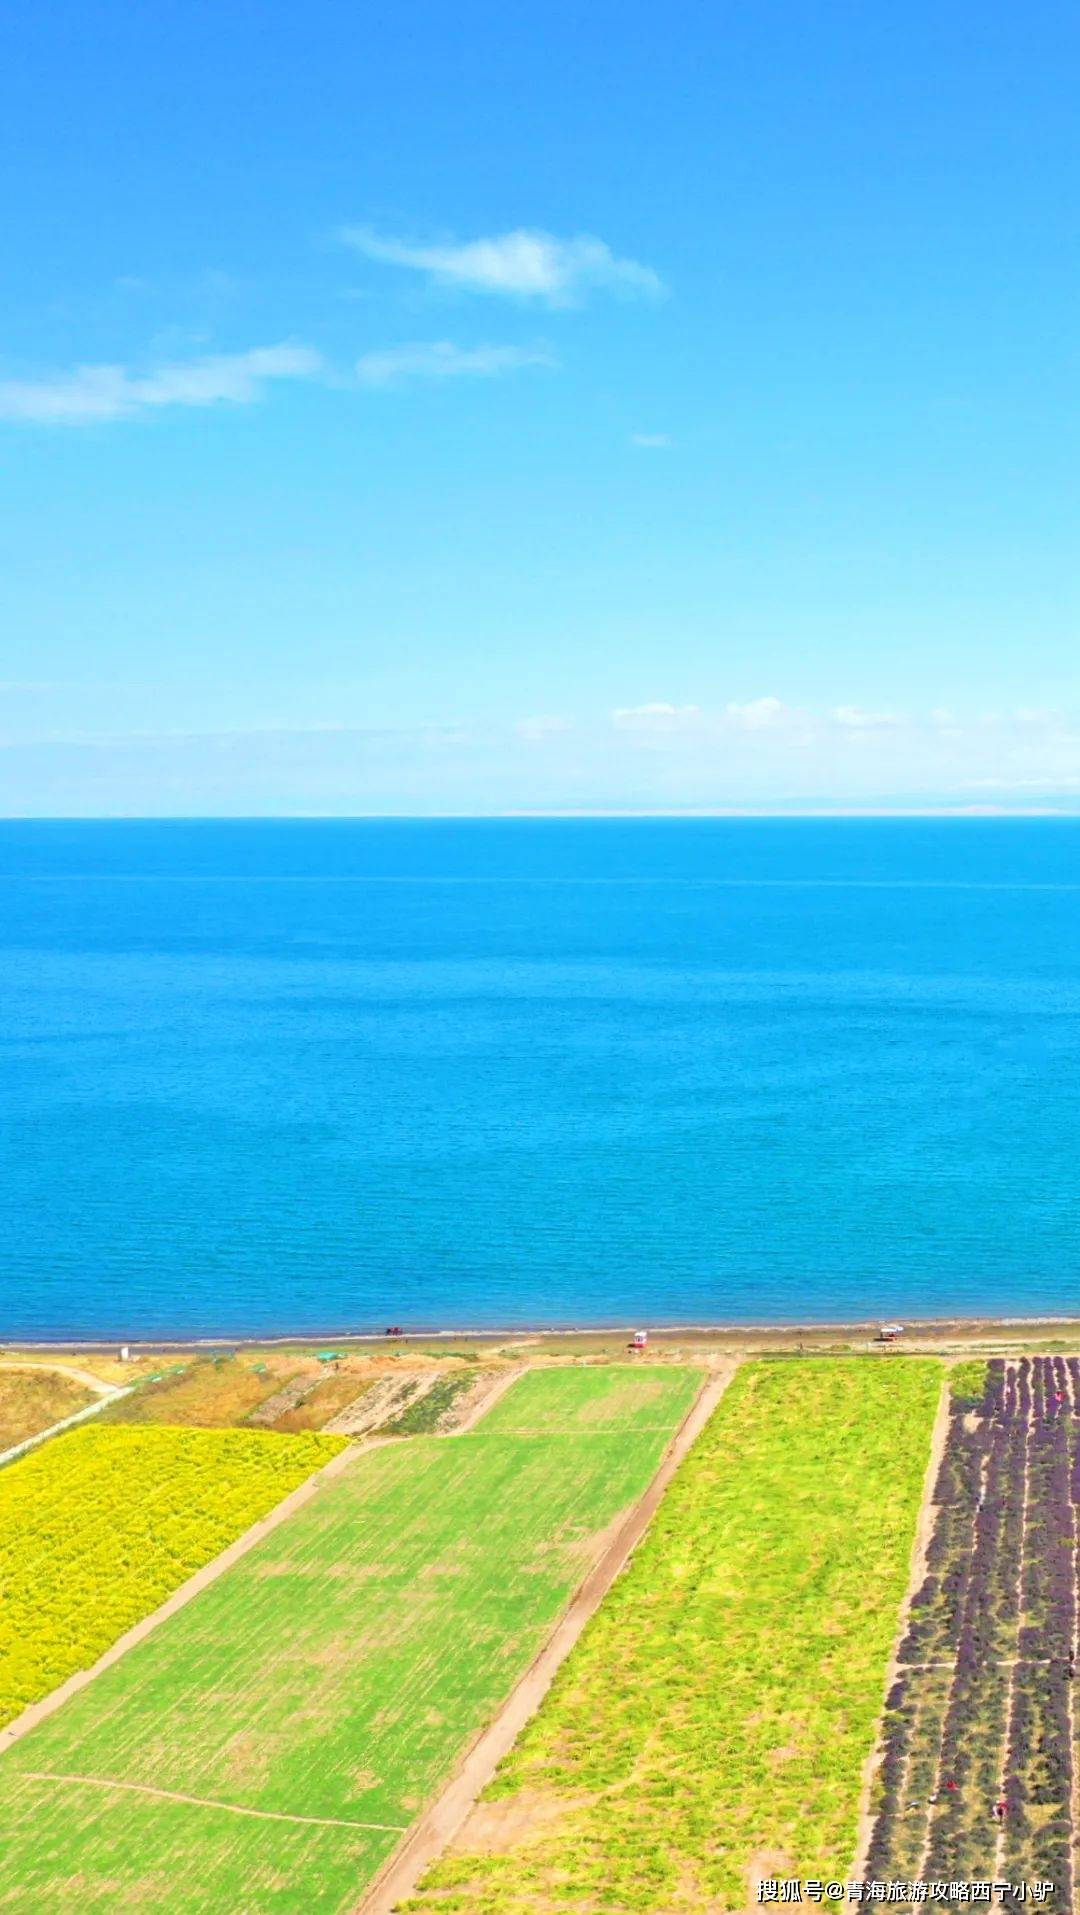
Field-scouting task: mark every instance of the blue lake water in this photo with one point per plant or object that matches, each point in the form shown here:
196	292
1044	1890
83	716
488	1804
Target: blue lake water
320	1076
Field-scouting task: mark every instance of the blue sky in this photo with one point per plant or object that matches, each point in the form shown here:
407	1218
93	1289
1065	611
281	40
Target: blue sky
452	409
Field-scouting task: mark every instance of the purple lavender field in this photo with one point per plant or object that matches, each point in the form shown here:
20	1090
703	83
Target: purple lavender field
977	1778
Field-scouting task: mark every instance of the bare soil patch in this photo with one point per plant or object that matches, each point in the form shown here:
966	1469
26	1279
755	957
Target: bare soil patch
382	1400
765	1863
497	1827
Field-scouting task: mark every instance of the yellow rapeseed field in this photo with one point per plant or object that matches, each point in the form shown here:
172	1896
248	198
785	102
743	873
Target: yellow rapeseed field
100	1525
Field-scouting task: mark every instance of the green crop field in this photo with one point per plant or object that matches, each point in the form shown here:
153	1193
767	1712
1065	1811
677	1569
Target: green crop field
616	1397
98	1526
330	1678
717	1713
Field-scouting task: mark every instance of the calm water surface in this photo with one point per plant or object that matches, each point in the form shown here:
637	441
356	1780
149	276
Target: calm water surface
322	1076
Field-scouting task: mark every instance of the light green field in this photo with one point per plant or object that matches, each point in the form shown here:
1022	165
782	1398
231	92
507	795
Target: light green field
619	1397
336	1672
720	1707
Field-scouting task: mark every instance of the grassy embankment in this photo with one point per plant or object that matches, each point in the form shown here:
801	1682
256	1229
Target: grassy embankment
253	1389
210	1393
32	1400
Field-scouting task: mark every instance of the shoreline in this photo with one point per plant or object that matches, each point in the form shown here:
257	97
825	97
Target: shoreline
914	1328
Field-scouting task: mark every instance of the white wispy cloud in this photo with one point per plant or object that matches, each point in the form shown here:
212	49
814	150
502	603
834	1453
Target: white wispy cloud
536	730
90	394
853	718
657	717
661	756
525	264
763	745
441	359
652	441
756	715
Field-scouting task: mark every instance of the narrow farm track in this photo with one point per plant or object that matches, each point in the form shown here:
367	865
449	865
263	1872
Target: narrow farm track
439	1824
208	1802
485	1399
86	1377
28	1443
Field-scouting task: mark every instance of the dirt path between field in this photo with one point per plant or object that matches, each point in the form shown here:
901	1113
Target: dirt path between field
486	1398
924	1529
209	1573
440	1823
19	1450
210	1802
86	1377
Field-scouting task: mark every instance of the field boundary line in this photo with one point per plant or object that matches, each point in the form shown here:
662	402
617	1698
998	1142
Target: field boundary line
209	1802
113	1395
924	1530
38	1711
441	1821
489	1398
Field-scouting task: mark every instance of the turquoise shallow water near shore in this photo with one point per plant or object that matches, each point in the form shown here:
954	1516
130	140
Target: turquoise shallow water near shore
315	1076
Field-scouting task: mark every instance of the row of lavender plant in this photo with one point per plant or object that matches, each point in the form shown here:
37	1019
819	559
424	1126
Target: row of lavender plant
915	1707
1039	1774
962	1825
991	1697
999	1728
934	1623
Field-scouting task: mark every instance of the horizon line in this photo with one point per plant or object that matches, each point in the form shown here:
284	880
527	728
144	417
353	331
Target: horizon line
965	812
